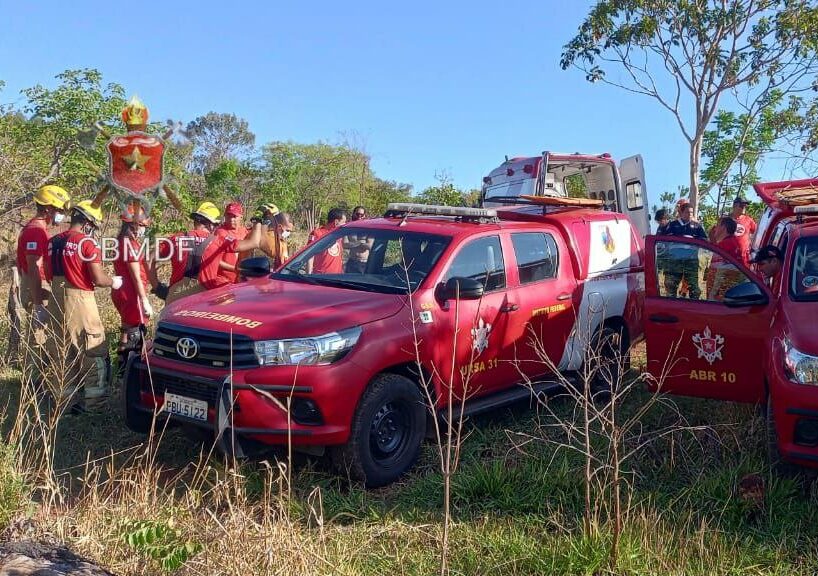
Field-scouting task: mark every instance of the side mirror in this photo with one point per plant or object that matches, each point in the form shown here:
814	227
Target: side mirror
460	287
255	267
745	294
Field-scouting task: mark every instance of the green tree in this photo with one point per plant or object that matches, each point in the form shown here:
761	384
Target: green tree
44	132
219	136
309	179
445	194
736	143
696	56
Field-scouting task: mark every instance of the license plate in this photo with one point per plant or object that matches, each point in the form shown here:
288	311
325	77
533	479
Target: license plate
184	406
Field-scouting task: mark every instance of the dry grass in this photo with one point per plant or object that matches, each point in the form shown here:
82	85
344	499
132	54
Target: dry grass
165	506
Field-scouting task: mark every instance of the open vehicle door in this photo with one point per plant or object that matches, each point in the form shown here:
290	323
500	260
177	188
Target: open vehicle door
706	321
633	192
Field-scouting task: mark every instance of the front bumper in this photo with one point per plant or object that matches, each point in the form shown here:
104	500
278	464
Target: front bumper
251	403
795	408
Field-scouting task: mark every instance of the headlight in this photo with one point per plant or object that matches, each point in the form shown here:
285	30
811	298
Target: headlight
800	367
324	349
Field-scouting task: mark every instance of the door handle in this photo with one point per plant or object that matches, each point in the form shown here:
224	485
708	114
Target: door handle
509	308
565	296
663	318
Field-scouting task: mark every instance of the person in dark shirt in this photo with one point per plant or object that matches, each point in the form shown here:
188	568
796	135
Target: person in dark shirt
682	266
684	225
661	217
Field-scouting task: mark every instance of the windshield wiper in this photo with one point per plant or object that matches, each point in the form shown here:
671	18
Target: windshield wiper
295	277
365	286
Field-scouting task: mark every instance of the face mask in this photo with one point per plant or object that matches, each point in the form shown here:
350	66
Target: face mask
140	232
285	234
59	217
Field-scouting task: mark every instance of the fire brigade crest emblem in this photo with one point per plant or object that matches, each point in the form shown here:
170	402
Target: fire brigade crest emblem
135	163
480	336
709	345
135	174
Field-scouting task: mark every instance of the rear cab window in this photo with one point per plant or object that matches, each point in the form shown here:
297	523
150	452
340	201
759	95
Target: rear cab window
536	254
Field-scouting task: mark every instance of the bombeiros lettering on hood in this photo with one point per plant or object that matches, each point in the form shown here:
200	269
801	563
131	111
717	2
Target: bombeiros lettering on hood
228	318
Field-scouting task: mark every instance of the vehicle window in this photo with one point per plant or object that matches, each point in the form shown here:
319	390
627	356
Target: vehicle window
695	272
804	273
482	260
370	259
536	256
633	191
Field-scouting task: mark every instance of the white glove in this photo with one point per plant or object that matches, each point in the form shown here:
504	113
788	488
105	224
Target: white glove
146	307
117	283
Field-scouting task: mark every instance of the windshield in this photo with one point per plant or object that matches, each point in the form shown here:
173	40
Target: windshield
804	275
374	260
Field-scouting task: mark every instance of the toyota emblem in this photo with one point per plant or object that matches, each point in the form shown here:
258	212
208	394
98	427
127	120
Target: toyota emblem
187	348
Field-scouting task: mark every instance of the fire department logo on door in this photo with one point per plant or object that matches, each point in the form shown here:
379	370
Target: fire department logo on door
709	345
480	336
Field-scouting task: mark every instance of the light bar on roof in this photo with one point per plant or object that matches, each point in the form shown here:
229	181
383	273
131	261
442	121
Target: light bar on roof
808	209
436	210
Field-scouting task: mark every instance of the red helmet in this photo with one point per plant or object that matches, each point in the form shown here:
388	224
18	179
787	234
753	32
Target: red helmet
130	216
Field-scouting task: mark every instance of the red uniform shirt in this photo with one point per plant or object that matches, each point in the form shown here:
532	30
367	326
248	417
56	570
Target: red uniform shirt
178	247
732	245
331	261
126	299
74	263
33	241
231	256
210	276
745	227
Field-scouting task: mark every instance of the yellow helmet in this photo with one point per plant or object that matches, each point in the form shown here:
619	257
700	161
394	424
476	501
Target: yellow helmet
208	211
271	208
51	195
91	213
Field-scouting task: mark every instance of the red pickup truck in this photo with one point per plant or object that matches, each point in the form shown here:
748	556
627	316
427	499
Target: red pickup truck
448	298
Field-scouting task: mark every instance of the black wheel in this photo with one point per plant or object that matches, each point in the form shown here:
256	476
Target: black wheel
609	352
776	461
387	431
135	419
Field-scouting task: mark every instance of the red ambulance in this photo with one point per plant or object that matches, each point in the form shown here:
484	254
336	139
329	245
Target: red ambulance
450	300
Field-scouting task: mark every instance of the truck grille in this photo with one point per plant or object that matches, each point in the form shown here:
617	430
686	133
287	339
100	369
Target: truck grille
179	385
211	348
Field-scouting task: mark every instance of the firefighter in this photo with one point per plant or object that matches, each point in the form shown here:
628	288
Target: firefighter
184	251
32	247
132	301
279	228
233	229
79	361
224	244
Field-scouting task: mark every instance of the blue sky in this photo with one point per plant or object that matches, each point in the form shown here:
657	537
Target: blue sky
425	87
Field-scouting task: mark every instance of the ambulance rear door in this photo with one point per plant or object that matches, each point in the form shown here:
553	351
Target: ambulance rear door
633	193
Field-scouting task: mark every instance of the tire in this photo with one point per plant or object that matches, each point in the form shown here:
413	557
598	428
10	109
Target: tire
386	434
136	420
612	346
774	457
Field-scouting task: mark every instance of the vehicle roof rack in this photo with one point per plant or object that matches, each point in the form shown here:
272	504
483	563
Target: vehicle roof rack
800	196
406	209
